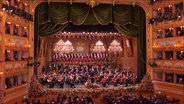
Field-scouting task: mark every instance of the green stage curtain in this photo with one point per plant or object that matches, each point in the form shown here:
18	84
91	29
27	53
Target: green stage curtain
78	13
53	17
129	20
103	14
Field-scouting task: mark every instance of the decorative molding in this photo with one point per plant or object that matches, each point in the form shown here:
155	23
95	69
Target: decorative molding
174	66
172	42
16	42
15	92
169	87
142	3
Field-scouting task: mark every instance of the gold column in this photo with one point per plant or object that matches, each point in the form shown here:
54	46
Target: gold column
163	76
163	53
30	31
174	55
174	32
19	79
2	85
174	78
149	40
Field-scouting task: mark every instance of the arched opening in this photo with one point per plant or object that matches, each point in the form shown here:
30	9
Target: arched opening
127	20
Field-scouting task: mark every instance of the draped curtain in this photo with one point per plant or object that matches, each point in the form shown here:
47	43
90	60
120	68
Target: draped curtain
127	19
53	17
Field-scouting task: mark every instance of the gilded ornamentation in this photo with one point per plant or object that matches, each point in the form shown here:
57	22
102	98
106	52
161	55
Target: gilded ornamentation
167	64
8	67
80	47
179	65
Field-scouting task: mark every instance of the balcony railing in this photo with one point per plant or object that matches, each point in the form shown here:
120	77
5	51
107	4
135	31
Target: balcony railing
171	42
15	67
170	65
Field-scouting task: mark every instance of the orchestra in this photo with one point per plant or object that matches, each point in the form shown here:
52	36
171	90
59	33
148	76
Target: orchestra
71	76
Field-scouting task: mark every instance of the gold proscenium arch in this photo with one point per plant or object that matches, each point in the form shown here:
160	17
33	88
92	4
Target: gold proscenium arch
142	3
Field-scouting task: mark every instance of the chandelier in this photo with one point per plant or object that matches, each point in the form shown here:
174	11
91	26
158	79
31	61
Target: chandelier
59	46
68	47
63	47
99	47
115	47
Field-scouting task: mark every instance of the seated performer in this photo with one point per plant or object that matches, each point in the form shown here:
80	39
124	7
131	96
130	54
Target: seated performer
114	81
60	81
88	84
104	81
72	81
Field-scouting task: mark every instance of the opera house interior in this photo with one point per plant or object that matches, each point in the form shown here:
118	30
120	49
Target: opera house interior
91	51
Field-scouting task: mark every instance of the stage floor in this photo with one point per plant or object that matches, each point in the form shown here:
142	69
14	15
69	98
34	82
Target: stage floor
83	86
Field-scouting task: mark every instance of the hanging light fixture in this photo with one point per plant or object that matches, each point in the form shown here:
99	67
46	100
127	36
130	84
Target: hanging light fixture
68	47
115	47
63	47
59	46
99	47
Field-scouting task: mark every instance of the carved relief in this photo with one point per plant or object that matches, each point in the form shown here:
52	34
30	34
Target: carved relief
8	67
179	65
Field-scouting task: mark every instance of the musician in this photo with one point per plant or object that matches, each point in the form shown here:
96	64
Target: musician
50	82
60	81
92	75
114	81
43	79
72	75
104	81
72	81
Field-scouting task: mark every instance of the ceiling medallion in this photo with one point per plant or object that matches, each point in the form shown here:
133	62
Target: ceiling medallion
92	3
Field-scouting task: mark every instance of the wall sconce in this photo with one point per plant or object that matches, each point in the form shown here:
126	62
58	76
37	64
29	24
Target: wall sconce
159	9
156	46
170	6
8	51
4	7
8	23
1	73
26	45
178	45
182	27
159	30
11	44
170	28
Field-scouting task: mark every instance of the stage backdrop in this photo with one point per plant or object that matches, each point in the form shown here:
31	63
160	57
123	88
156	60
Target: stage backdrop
127	19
